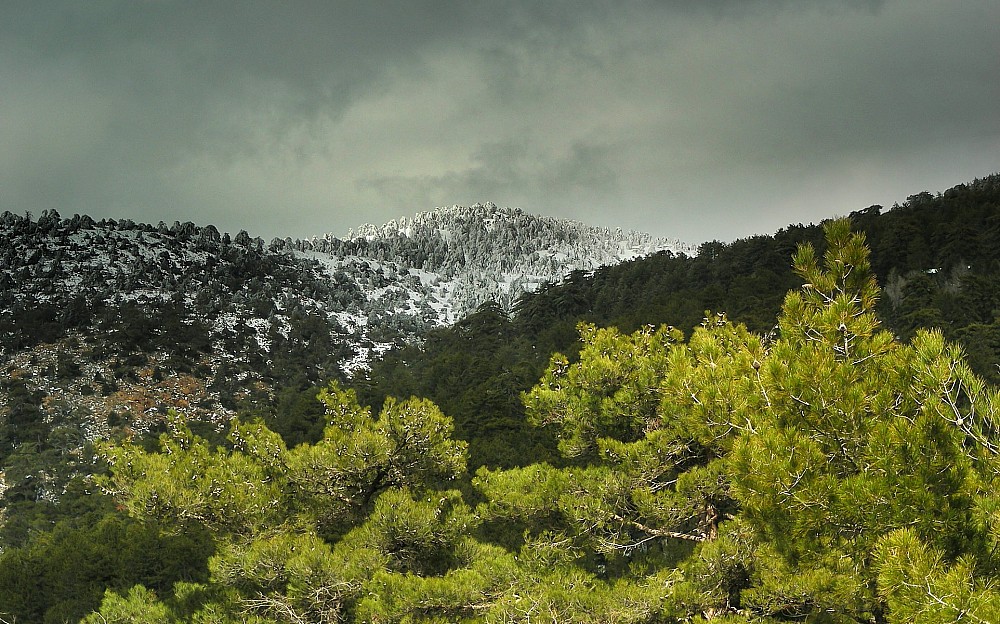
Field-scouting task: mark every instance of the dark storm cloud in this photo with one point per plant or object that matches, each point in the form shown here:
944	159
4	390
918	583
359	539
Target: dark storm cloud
579	175
207	75
701	120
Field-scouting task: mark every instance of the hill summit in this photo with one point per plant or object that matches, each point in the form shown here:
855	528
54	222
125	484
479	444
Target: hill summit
483	253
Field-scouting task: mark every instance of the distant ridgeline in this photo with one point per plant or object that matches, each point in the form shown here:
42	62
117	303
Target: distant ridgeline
486	253
375	289
106	325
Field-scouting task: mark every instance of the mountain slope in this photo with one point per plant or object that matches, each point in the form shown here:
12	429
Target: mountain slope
482	253
125	307
936	256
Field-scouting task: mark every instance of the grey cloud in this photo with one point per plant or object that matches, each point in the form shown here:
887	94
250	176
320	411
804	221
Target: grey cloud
509	173
697	119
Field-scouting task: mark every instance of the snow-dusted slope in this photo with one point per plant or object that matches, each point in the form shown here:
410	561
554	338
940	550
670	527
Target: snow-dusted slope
470	255
249	309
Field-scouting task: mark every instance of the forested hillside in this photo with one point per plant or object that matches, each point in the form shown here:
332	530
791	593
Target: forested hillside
937	257
827	472
483	253
807	452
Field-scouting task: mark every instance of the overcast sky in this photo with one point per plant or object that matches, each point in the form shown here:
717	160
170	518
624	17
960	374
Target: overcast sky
703	120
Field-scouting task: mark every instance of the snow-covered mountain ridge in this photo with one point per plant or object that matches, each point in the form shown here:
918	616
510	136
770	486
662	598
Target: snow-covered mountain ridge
482	253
